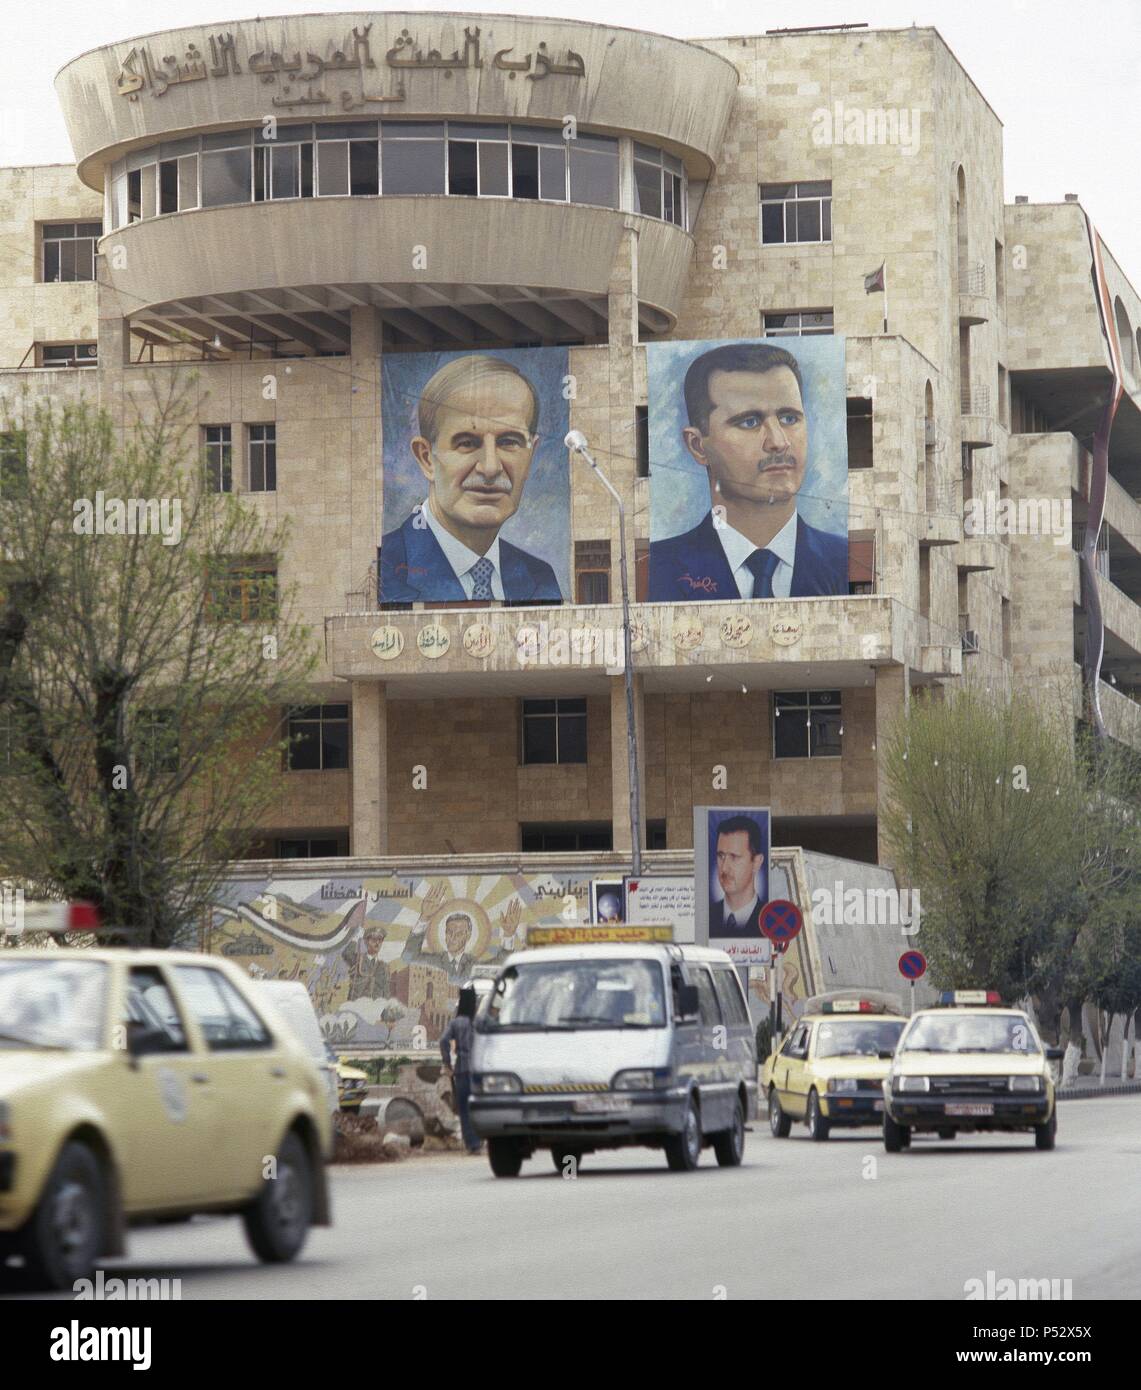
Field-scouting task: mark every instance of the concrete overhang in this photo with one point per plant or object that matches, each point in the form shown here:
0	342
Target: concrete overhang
493	267
763	643
177	82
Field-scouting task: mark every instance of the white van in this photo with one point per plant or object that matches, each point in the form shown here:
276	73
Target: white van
599	1046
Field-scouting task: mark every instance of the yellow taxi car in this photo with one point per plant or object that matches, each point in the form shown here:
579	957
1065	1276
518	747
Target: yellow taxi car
141	1085
829	1071
352	1083
969	1064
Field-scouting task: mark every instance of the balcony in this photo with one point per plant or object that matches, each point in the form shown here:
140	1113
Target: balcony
974	303
941	660
676	647
977	554
976	426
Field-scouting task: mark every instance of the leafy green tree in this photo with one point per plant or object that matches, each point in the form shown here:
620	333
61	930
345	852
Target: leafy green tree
146	653
1014	831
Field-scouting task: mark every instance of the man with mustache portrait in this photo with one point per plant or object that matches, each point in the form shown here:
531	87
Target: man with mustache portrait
748	429
478	418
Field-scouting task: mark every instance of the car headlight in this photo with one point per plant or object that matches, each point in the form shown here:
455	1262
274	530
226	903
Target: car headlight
1026	1083
499	1083
636	1079
842	1083
912	1083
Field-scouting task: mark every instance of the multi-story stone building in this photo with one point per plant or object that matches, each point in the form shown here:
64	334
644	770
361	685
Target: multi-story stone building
628	189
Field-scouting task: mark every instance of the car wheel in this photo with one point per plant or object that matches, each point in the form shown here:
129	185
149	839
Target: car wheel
683	1151
729	1145
895	1137
66	1232
560	1156
818	1127
947	1133
505	1157
779	1122
1045	1135
278	1220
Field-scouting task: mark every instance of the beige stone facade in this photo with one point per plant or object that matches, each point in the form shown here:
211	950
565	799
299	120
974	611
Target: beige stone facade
992	350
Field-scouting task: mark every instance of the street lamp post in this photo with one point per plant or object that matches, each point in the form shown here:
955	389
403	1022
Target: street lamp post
576	442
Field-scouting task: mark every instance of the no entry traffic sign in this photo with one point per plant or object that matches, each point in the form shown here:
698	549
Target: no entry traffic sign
913	965
781	921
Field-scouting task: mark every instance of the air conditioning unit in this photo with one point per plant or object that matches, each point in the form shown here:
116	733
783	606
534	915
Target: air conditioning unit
930	434
970	640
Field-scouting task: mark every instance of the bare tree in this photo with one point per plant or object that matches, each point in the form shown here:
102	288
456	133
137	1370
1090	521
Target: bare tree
146	654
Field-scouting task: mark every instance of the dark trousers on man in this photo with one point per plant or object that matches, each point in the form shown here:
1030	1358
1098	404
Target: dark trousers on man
463	1102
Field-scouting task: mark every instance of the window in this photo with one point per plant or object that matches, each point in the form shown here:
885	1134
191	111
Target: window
69	355
594	170
796	212
69	251
262	450
656	834
861	564
13	462
152	1013
659	185
592	571
156	740
243	589
227	1020
217	446
642	440
318	738
797	323
859	432
226	169
554	731
727	984
565	838
322	846
707	1009
807	724
413	157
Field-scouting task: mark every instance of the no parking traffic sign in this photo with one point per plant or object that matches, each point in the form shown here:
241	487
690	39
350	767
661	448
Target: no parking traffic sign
913	965
781	921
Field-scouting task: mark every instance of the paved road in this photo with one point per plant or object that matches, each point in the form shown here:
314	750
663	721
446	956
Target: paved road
913	1225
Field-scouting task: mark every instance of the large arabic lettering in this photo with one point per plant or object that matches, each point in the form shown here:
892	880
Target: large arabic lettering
140	71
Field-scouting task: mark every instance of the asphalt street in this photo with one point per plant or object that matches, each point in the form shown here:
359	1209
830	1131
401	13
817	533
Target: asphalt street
840	1219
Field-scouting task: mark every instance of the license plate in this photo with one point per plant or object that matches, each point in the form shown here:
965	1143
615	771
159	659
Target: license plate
968	1109
877	1106
602	1105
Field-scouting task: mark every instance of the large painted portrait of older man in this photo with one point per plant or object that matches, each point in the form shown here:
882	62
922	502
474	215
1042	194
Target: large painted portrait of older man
748	469
476	478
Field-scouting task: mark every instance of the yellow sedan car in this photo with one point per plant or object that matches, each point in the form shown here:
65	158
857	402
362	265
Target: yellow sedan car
143	1085
829	1071
970	1064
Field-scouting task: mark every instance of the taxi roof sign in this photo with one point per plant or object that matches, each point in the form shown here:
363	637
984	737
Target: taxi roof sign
852	1001
951	997
627	933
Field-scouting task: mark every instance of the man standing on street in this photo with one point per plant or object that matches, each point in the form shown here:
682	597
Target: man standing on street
459	1032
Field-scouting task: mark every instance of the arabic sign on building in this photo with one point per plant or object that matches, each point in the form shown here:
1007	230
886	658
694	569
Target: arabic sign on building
307	80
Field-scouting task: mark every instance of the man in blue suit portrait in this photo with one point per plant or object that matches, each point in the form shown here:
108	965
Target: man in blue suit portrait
478	418
749	431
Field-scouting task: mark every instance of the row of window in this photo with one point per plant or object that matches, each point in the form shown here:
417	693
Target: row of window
805	724
367	158
260	454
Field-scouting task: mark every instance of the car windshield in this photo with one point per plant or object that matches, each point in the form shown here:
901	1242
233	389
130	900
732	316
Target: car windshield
572	994
858	1039
971	1033
52	1003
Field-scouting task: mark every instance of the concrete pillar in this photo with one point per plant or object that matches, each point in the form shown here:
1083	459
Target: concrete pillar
370	769
114	347
893	700
622	291
365	466
619	762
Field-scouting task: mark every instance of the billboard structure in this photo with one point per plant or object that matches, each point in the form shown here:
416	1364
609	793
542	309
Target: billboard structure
476	479
748	469
731	858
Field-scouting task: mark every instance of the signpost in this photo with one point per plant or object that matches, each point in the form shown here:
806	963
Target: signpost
912	966
780	921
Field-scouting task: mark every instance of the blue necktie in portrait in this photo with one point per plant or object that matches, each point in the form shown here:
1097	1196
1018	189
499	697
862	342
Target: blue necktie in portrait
481	573
731	924
762	565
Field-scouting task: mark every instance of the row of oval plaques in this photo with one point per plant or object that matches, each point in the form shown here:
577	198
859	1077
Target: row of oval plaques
433	640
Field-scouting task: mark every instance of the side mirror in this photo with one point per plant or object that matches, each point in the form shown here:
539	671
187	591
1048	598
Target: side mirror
688	1002
885	1054
1055	1054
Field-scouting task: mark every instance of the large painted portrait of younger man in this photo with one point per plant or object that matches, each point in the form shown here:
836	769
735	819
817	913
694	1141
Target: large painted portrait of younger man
748	469
476	478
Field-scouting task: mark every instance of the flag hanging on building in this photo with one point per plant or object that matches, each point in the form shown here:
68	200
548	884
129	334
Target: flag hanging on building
877	280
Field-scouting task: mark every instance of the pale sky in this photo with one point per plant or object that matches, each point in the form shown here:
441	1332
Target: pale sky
1064	78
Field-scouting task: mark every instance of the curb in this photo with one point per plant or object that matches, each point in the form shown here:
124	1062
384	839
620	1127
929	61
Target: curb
1093	1093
